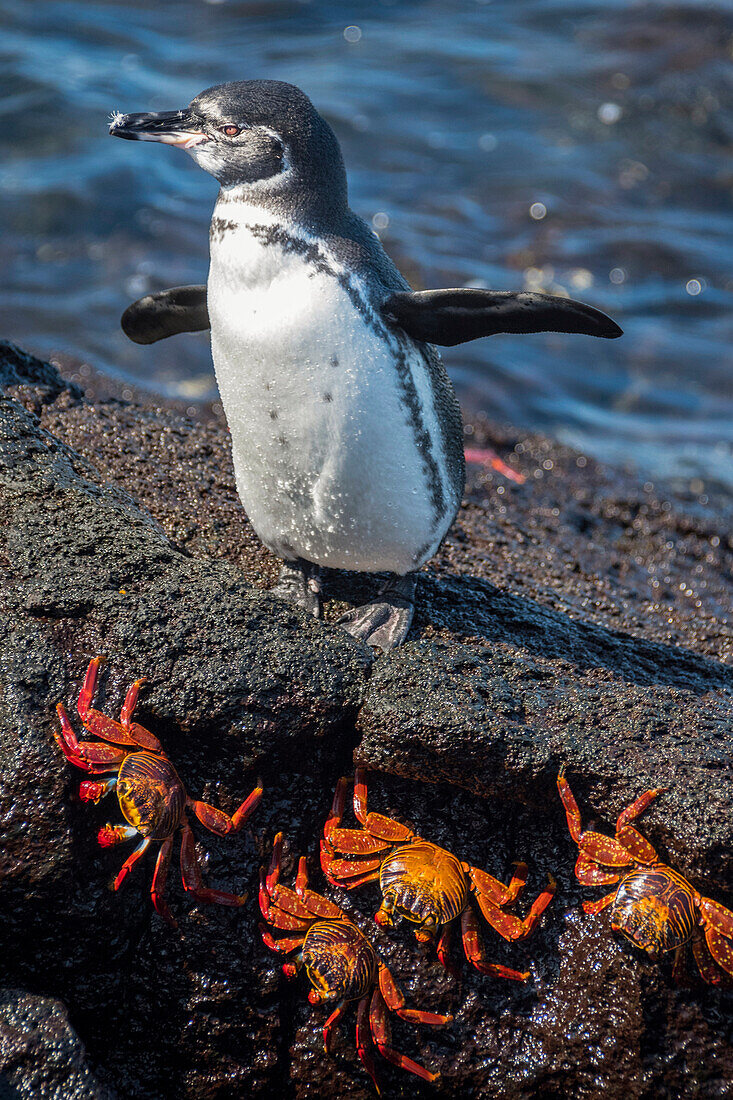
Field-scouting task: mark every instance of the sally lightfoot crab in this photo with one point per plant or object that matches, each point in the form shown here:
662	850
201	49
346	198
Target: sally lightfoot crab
652	905
341	965
423	883
151	795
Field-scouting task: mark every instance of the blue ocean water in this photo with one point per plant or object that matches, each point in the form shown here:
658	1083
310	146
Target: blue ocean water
573	145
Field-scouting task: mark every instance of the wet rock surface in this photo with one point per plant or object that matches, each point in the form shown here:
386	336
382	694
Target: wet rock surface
580	617
40	1054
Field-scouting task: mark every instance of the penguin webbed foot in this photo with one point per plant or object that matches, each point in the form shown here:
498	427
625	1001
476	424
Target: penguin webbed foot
299	584
386	622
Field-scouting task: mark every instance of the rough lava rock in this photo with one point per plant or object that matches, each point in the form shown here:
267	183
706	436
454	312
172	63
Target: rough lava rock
580	617
40	1054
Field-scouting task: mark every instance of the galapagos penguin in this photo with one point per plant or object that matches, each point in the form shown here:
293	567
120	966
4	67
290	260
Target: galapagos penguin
346	434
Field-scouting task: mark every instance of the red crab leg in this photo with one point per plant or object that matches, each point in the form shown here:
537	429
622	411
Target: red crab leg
442	949
511	927
589	873
718	932
130	863
382	1036
329	1028
160	877
364	1040
355	842
474	951
272	912
352	841
337	807
317	906
137	733
219	822
491	887
273	871
709	972
386	828
395	1001
602	849
191	876
602	903
353	883
90	756
637	807
284	945
94	720
91	791
347	868
636	844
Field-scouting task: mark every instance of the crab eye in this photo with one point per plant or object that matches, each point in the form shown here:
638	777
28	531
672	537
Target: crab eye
230	130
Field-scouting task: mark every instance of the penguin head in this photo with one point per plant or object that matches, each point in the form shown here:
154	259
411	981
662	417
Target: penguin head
259	134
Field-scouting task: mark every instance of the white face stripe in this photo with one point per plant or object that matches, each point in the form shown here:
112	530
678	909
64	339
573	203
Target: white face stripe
211	156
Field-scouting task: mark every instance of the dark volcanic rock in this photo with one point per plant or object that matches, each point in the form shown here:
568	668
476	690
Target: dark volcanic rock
41	1057
581	617
499	722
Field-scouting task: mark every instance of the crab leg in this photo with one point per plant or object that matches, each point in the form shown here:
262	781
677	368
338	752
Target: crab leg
137	733
474	951
351	841
602	903
637	807
130	863
602	849
352	883
442	950
329	1027
706	965
509	926
317	906
718	932
160	877
493	889
636	844
364	1040
382	1036
90	756
277	916
94	720
346	868
386	828
395	1001
284	945
219	822
191	875
589	873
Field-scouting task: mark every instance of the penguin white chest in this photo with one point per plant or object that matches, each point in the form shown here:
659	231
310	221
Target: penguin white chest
329	457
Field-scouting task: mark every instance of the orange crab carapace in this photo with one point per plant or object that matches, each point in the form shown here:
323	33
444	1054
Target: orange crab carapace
341	964
423	883
151	795
652	905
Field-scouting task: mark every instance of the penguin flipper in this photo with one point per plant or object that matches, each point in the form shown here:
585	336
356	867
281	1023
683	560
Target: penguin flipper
156	316
450	317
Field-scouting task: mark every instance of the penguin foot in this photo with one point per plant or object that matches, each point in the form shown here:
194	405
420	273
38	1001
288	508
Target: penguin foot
299	584
386	622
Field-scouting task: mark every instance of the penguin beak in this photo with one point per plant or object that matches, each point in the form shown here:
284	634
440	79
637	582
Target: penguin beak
169	127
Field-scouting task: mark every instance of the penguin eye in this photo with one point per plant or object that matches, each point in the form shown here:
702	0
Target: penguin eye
230	130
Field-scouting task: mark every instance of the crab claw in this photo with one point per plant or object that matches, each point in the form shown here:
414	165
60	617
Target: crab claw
109	835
